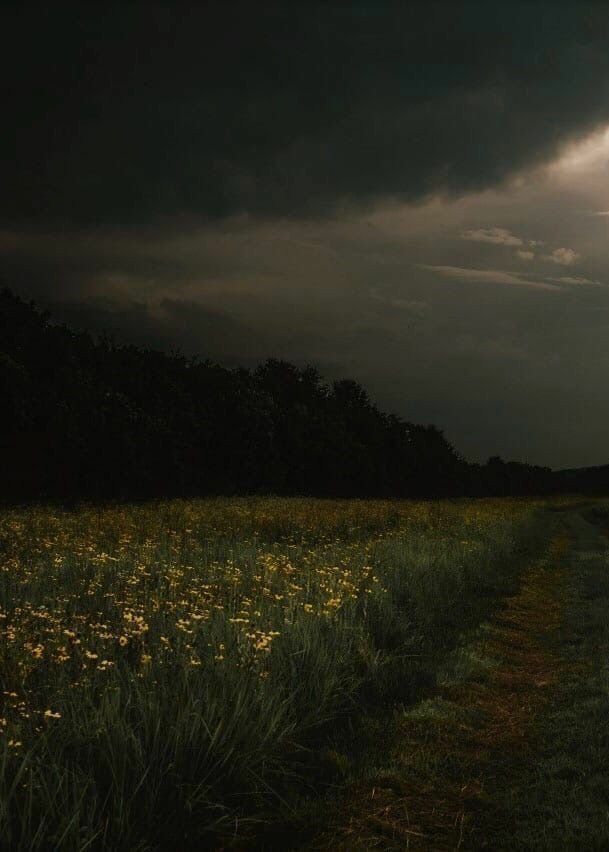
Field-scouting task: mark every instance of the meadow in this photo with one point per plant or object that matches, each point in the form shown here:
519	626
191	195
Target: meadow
175	673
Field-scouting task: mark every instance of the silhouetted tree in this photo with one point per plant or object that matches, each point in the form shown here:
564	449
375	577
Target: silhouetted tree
86	418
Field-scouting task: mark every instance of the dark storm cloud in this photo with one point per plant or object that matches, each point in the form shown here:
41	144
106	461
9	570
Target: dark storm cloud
136	112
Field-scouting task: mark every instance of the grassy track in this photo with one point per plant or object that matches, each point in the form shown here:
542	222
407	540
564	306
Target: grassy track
511	751
561	800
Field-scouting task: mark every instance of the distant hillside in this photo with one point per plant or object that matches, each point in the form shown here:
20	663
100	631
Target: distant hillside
84	418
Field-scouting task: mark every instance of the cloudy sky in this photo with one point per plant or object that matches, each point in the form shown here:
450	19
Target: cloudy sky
412	195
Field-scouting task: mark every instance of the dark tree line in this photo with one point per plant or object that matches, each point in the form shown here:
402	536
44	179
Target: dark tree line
83	418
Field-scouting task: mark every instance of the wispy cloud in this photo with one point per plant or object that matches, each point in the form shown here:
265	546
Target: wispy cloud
488	276
525	255
576	280
413	306
497	236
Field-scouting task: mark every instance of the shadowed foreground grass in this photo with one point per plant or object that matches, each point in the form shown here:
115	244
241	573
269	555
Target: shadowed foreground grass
445	756
175	673
510	749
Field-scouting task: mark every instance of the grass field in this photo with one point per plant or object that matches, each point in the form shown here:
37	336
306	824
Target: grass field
176	674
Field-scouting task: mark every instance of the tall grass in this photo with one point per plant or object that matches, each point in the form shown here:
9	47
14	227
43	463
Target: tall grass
169	670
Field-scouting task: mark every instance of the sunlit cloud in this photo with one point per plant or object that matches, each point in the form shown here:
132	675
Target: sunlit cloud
563	256
497	236
525	255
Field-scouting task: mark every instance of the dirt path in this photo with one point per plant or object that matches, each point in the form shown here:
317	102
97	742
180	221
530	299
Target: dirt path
461	760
